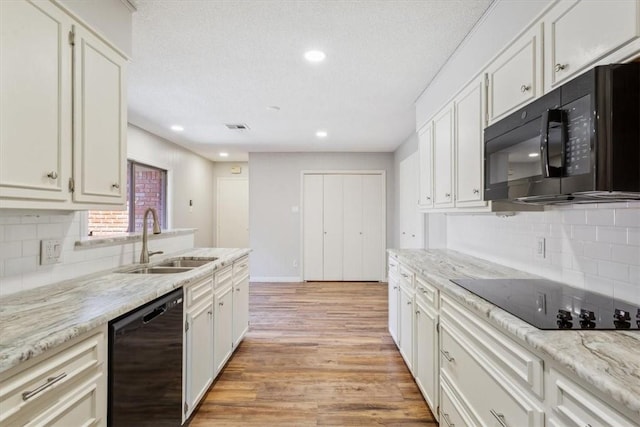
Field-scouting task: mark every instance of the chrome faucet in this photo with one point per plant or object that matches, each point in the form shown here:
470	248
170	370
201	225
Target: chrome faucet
145	254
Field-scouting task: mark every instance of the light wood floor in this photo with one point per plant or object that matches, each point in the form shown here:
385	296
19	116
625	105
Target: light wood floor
316	354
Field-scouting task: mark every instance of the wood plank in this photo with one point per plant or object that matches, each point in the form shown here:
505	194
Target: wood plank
316	354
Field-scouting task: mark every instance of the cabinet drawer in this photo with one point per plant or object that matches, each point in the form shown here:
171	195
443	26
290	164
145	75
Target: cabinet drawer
497	400
394	265
523	367
452	410
426	292
241	269
223	277
199	291
38	386
407	276
576	407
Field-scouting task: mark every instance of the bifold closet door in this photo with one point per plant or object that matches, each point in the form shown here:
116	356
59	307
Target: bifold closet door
373	228
333	227
352	204
312	206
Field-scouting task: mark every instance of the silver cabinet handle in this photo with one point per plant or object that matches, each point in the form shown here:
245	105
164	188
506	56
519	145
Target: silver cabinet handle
221	303
560	67
476	191
115	185
237	289
447	356
408	302
404	275
525	88
50	381
447	420
447	195
428	198
52	175
499	417
210	313
417	311
395	287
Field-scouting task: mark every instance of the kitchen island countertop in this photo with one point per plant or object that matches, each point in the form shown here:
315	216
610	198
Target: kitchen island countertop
34	321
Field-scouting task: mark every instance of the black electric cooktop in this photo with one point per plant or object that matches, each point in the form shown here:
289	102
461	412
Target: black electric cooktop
551	305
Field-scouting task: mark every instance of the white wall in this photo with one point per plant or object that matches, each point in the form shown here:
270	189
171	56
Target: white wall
110	18
20	235
191	177
596	248
274	188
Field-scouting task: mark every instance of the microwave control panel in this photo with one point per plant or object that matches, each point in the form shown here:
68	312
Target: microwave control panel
577	150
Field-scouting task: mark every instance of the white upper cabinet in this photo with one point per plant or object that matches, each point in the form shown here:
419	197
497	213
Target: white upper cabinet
63	111
425	149
580	33
100	123
515	77
443	158
35	106
469	126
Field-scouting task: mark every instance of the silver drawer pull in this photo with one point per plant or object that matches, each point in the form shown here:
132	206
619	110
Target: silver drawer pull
476	191
447	420
560	67
115	185
221	303
406	276
52	175
395	287
408	302
237	289
50	381
417	311
447	356
525	88
499	417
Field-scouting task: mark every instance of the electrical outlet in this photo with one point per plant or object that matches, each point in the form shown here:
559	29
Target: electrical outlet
541	252
50	251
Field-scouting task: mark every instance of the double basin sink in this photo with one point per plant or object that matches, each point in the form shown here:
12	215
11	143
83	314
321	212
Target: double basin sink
172	266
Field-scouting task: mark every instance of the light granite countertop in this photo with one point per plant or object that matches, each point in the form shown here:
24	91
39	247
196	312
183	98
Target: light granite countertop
34	321
608	360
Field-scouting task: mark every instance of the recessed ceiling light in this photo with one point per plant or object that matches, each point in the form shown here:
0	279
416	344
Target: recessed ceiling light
321	134
315	55
224	154
534	154
177	128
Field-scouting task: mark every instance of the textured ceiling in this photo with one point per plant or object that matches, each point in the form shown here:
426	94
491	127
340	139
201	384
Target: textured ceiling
202	64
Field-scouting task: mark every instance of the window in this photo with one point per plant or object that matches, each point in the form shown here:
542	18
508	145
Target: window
146	188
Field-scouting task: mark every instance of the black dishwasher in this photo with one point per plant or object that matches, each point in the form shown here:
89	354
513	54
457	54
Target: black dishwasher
145	365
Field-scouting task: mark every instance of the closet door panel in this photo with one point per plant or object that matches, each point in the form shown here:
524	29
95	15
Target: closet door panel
333	227
312	209
352	226
373	227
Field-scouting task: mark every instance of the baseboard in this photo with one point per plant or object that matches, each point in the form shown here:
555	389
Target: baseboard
284	279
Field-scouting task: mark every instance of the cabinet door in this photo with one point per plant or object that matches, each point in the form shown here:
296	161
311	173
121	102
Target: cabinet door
312	211
35	106
411	220
425	150
425	362
394	301
580	33
406	327
240	309
515	77
198	354
469	125
223	324
352	267
100	121
443	158
373	227
333	227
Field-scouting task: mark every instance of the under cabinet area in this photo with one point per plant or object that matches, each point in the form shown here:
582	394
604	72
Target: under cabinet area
62	75
64	387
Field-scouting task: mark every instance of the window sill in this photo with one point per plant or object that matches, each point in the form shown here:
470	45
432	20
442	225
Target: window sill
120	239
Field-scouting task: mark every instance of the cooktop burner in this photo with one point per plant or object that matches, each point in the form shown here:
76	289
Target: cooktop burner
551	305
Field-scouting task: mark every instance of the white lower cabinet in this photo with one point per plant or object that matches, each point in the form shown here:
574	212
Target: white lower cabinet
394	301
223	334
240	300
425	361
452	412
198	343
64	387
406	325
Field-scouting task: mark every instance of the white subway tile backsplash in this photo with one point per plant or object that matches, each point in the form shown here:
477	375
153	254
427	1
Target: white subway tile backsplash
574	217
612	234
597	250
633	236
601	217
20	232
626	291
30	247
613	270
35	219
15	266
626	254
10	250
598	284
50	231
583	232
585	265
628	217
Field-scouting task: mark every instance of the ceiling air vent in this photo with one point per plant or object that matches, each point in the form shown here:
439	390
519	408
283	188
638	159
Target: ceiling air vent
237	126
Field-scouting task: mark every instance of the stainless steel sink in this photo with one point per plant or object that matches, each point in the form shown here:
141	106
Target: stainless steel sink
186	262
159	270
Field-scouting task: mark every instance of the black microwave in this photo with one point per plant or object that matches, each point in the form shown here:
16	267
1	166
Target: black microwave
579	143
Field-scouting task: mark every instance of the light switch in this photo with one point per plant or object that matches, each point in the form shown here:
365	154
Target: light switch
50	251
